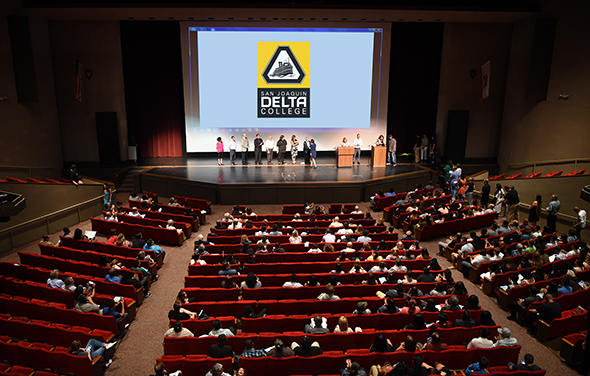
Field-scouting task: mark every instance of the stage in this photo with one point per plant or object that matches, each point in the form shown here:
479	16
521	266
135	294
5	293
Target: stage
275	184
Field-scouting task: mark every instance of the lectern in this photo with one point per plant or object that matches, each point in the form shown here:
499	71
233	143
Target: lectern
345	154
378	156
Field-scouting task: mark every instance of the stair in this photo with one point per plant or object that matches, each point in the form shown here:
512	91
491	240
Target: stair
128	185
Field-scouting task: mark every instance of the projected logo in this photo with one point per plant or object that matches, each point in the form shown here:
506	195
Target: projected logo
283	80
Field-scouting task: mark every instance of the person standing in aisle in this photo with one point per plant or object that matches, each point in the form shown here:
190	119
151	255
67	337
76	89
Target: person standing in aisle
358	144
552	211
269	145
219	147
245	147
391	149
232	150
258	142
581	222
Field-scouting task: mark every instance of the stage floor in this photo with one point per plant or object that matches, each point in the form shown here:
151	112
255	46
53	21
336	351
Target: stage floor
287	173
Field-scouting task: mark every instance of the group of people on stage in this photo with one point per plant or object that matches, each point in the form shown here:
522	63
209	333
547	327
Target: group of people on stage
358	144
309	150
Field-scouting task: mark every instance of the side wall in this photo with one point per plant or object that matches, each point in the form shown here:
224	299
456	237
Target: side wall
97	45
30	132
466	47
551	129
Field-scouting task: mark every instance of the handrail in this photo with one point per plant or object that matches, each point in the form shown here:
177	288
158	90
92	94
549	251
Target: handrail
549	162
24	167
51	214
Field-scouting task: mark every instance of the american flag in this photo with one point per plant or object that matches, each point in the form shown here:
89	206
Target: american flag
79	68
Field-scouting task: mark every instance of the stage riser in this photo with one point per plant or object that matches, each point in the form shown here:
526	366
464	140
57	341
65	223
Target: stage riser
279	193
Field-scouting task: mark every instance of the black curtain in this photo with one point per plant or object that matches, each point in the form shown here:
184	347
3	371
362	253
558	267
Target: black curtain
416	50
152	67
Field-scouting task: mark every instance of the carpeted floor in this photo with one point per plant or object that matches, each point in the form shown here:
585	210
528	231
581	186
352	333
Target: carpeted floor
144	342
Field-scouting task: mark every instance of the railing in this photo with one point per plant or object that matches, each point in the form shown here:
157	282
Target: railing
575	161
25	168
49	215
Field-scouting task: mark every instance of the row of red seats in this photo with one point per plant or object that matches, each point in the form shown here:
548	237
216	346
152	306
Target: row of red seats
293	247
384	202
107	249
234	236
92	257
328	342
41	274
301	256
38	356
571	321
151	222
288	307
36	290
212	281
452	227
329	361
190	220
303	267
55	312
332	209
160	235
195	203
537	174
80	267
279	292
47	332
167	209
31	180
389	213
377	321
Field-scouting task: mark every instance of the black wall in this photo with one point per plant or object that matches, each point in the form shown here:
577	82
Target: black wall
416	50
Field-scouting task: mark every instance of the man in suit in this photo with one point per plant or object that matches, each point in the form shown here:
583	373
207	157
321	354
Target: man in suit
245	146
258	143
307	150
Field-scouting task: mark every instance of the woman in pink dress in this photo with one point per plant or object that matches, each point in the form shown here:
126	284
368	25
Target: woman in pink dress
219	147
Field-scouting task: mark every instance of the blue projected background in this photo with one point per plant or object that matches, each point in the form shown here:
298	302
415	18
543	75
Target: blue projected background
221	88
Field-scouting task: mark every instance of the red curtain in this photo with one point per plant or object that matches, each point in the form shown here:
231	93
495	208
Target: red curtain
152	68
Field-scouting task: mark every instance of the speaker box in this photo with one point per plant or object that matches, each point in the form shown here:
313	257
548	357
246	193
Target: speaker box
22	59
107	132
456	142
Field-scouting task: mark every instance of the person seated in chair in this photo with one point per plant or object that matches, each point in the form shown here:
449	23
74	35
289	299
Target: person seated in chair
92	350
220	349
307	348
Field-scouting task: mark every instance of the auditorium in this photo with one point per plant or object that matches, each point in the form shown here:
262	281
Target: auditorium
303	188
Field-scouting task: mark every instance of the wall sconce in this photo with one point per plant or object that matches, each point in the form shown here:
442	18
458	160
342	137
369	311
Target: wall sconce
565	97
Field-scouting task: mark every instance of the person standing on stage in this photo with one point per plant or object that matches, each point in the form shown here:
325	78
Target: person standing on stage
258	142
269	145
313	153
391	149
232	150
416	149
294	145
307	150
245	146
344	143
357	143
380	141
282	146
219	147
424	149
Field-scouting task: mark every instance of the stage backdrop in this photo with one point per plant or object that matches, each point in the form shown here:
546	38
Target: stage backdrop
153	86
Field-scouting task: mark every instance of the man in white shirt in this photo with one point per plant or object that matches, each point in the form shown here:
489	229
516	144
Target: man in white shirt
110	217
398	267
349	248
314	249
293	282
336	223
481	342
269	145
344	230
357	143
356	210
232	150
475	261
135	213
581	222
235	225
329	237
364	237
381	268
297	218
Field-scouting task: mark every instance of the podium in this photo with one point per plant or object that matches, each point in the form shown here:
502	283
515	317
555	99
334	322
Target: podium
345	154
378	156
